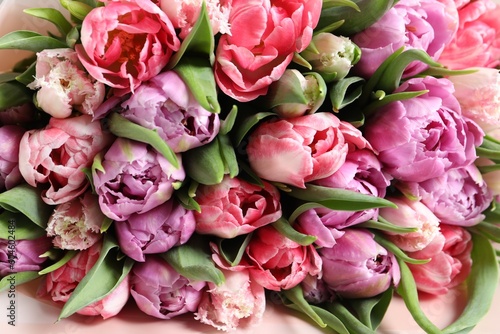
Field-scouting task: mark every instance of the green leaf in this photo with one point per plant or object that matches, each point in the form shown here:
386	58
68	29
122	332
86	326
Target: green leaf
106	274
303	208
232	250
76	8
193	262
186	198
204	164
8	76
296	296
488	230
407	289
386	226
481	285
389	98
30	41
339	95
284	227
13	94
28	76
397	251
228	155
489	168
330	320
198	75
122	127
17	279
106	224
339	199
248	124
51	15
61	262
72	37
227	124
356	20
353	324
391	77
488	153
24	228
444	72
371	311
330	28
28	201
339	3
299	60
200	41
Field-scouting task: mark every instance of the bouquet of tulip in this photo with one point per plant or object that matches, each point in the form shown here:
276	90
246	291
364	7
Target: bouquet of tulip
208	156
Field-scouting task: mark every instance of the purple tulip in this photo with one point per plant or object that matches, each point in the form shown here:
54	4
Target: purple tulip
423	137
10	137
457	198
134	178
161	292
358	267
415	24
165	104
22	255
155	231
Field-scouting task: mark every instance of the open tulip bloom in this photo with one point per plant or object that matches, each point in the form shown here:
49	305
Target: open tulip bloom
197	157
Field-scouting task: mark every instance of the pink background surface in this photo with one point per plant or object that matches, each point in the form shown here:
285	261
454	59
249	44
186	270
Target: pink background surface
34	316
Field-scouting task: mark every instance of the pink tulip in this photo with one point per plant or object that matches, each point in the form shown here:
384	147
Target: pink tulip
76	224
61	283
450	261
238	303
235	207
253	56
413	214
126	42
298	150
57	154
10	138
477	41
161	292
63	84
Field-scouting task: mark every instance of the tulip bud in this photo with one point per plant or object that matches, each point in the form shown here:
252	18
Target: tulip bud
295	95
331	56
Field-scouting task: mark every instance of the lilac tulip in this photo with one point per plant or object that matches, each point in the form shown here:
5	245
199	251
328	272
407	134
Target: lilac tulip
414	24
22	255
423	137
358	267
165	104
457	198
156	230
161	292
134	178
10	137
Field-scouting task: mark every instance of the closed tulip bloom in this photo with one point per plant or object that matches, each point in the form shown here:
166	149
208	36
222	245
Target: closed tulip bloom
10	138
165	104
76	224
134	178
423	137
412	214
161	292
358	267
155	231
298	150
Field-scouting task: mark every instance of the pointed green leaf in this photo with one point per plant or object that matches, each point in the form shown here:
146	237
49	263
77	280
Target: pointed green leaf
407	289
339	199
28	201
106	274
13	94
204	164
30	41
296	296
186	200
371	311
444	72
228	156
248	124
72	37
17	279
489	168
389	98
386	226
331	320
193	262
488	153
397	251
122	127
200	40
481	285
339	3
348	319
284	227
24	227
198	75
303	208
52	15
106	224
8	76
228	123
345	91
330	28
232	250
299	60
61	262
28	75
